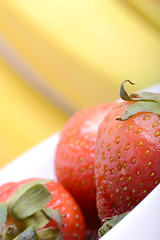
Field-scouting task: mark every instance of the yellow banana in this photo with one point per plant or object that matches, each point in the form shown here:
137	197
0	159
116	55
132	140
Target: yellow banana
85	46
80	50
26	118
148	10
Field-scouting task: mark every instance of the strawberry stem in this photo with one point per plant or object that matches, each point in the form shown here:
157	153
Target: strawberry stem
144	102
123	94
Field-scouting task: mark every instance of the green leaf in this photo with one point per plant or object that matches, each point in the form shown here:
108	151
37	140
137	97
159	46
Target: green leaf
3	217
37	220
22	189
42	217
28	234
149	96
54	214
110	223
49	234
141	106
31	201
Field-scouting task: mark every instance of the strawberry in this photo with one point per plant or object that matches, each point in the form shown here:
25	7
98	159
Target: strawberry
127	153
75	155
53	206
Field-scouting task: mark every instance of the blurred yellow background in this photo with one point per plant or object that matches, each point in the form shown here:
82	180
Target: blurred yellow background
57	57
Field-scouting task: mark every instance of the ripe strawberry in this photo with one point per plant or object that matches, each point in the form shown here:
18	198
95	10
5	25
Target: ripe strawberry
75	155
72	227
128	153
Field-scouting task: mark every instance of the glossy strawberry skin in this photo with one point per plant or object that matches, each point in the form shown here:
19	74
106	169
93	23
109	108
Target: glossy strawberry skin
75	155
73	222
73	226
127	160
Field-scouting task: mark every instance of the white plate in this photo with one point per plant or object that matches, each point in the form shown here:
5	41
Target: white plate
141	223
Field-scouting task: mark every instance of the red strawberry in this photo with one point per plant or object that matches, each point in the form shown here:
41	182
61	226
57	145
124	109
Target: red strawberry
72	227
75	155
128	154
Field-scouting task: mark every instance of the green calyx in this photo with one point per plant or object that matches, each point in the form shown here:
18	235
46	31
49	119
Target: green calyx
3	217
48	234
31	201
110	223
25	215
29	234
144	102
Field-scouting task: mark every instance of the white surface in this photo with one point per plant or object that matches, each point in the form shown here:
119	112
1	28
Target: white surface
141	223
37	162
